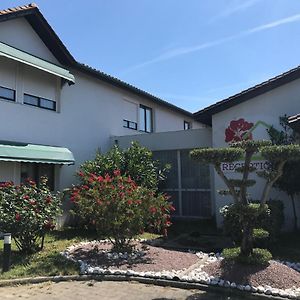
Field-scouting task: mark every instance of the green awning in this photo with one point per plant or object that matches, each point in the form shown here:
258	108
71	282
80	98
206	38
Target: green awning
22	152
33	61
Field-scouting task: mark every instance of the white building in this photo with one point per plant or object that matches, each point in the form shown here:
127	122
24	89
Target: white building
260	106
55	113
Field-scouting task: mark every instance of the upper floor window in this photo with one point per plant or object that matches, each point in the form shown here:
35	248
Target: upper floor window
7	94
146	119
187	125
39	102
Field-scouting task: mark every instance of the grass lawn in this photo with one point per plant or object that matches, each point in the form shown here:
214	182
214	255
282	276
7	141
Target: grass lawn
49	262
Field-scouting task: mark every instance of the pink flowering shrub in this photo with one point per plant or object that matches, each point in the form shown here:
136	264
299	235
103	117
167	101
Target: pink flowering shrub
119	208
28	212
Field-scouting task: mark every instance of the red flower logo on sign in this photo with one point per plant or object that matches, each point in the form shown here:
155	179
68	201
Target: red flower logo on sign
238	130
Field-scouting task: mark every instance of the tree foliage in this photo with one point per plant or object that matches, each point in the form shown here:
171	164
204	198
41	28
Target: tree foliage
289	181
136	162
119	208
247	213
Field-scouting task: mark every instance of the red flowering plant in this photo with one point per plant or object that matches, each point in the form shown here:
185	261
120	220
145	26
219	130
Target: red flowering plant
28	212
119	208
238	130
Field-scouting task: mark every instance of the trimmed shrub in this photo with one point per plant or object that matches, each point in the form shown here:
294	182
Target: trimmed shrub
258	257
270	220
28	212
119	208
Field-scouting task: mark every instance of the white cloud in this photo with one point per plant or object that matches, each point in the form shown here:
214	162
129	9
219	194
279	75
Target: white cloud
232	9
191	49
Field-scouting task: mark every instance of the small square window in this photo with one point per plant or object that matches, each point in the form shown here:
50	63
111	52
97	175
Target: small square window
48	104
31	100
7	94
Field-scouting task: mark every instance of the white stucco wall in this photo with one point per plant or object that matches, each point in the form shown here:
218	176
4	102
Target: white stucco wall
267	107
19	34
171	140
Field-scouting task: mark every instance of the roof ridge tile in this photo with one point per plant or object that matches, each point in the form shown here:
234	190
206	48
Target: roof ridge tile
18	8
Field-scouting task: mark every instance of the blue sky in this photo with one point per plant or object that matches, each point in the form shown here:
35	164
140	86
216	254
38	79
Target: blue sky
191	53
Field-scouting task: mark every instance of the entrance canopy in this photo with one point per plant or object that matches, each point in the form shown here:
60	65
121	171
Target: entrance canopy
22	152
33	61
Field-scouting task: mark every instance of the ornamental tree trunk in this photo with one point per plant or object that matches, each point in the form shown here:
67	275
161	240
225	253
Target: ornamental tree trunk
294	212
247	241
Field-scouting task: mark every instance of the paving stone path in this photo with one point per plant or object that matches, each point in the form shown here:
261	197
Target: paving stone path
105	290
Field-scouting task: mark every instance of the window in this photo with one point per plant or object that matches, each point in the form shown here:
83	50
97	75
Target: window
146	119
7	94
188	183
35	171
129	124
186	125
39	102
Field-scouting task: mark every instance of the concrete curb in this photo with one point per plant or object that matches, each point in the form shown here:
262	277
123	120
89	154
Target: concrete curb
145	280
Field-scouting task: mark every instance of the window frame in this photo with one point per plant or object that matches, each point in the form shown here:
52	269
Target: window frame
189	125
145	109
126	124
6	98
39	100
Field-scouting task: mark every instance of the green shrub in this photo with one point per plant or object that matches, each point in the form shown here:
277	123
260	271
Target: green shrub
259	233
28	212
270	220
136	162
258	257
119	208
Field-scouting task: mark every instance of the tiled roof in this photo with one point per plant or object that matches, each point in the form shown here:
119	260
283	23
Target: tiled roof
205	115
18	8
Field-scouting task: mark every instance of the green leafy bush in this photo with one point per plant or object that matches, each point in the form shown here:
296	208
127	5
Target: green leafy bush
28	212
119	208
258	257
259	233
136	162
271	220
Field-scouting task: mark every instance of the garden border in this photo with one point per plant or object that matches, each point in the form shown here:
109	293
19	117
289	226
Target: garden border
120	278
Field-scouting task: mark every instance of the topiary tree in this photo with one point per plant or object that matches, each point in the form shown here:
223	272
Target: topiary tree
136	162
248	212
289	181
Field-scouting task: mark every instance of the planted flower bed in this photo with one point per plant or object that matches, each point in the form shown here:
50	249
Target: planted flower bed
146	260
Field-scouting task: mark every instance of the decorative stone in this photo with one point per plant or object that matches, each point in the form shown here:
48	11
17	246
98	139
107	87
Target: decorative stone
227	283
221	282
268	291
233	285
260	289
248	288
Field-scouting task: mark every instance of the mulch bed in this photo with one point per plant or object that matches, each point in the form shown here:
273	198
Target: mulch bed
275	274
155	259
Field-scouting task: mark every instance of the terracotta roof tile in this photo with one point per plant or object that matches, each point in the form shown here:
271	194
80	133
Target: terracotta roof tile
18	8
